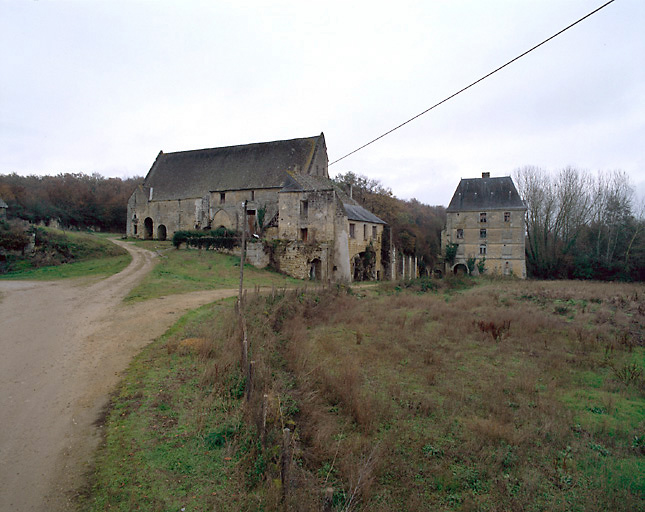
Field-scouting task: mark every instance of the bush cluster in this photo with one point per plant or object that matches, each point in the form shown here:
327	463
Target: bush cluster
220	238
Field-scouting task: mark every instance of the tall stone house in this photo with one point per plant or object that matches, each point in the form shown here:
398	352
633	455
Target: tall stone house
297	219
485	219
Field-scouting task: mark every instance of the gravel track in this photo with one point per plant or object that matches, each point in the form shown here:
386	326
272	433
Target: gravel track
63	346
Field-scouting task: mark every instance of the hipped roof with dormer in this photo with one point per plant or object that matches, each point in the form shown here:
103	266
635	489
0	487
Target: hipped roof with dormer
193	174
477	194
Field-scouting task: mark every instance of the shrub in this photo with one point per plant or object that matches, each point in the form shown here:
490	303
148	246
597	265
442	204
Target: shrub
220	238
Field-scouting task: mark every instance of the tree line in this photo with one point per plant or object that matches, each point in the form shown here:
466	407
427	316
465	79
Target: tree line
74	200
582	226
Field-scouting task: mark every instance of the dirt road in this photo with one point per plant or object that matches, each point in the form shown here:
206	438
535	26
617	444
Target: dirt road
62	347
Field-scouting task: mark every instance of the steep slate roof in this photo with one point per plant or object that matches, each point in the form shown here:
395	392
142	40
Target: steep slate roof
192	174
3	204
354	211
485	194
357	212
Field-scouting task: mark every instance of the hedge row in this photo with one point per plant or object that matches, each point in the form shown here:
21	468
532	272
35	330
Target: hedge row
220	238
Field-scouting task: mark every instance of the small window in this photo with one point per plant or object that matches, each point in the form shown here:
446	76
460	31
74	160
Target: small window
364	231
252	195
304	208
222	197
303	234
460	234
135	229
352	231
482	233
482	249
374	232
482	217
507	216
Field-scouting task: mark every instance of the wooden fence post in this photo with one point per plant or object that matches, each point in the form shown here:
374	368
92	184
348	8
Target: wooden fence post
285	462
328	499
265	407
245	352
249	380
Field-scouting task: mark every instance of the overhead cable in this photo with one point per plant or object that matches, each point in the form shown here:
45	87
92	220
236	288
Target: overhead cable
474	83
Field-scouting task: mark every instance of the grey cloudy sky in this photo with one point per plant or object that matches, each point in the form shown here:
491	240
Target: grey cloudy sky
103	85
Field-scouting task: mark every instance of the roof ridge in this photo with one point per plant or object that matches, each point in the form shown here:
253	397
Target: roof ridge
249	145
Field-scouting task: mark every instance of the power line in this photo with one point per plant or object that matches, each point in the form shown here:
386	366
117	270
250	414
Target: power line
475	82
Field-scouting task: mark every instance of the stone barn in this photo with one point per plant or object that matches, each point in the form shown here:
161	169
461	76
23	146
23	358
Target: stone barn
308	225
485	220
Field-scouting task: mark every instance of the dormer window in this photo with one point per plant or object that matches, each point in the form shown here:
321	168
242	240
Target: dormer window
482	217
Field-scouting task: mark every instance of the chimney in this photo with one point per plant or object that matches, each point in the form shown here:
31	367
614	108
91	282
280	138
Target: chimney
485	175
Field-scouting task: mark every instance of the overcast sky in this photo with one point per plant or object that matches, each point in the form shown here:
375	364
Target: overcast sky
103	85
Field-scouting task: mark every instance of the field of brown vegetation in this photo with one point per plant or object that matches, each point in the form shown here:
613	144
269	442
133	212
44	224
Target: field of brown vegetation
438	395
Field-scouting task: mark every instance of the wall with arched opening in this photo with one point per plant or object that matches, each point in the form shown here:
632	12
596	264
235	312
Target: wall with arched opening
315	269
222	219
460	269
161	232
147	228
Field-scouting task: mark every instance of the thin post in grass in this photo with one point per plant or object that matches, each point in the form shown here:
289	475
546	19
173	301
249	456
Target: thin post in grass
249	380
265	407
285	462
328	499
245	352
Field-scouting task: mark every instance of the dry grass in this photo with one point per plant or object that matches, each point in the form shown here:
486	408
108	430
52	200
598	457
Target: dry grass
504	396
404	398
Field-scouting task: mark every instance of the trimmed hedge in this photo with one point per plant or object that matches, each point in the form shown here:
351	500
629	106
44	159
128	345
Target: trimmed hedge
220	238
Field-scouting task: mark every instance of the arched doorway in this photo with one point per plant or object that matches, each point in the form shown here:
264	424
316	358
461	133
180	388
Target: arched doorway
221	218
147	228
460	269
161	232
315	269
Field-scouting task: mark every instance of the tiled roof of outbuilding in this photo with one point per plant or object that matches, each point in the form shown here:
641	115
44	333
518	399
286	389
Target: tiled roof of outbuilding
485	194
191	174
357	212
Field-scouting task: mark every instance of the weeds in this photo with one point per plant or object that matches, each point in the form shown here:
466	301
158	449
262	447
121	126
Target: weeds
398	401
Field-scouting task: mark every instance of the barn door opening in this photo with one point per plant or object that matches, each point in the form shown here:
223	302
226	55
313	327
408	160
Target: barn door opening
147	228
161	232
315	269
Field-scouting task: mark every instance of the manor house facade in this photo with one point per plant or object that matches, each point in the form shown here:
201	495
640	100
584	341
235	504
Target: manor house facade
485	220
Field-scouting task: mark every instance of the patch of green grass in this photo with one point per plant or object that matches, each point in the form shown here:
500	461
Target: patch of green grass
67	254
182	271
102	267
169	440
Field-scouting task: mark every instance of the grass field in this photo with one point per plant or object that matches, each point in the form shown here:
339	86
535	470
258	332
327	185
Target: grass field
501	396
181	271
67	254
